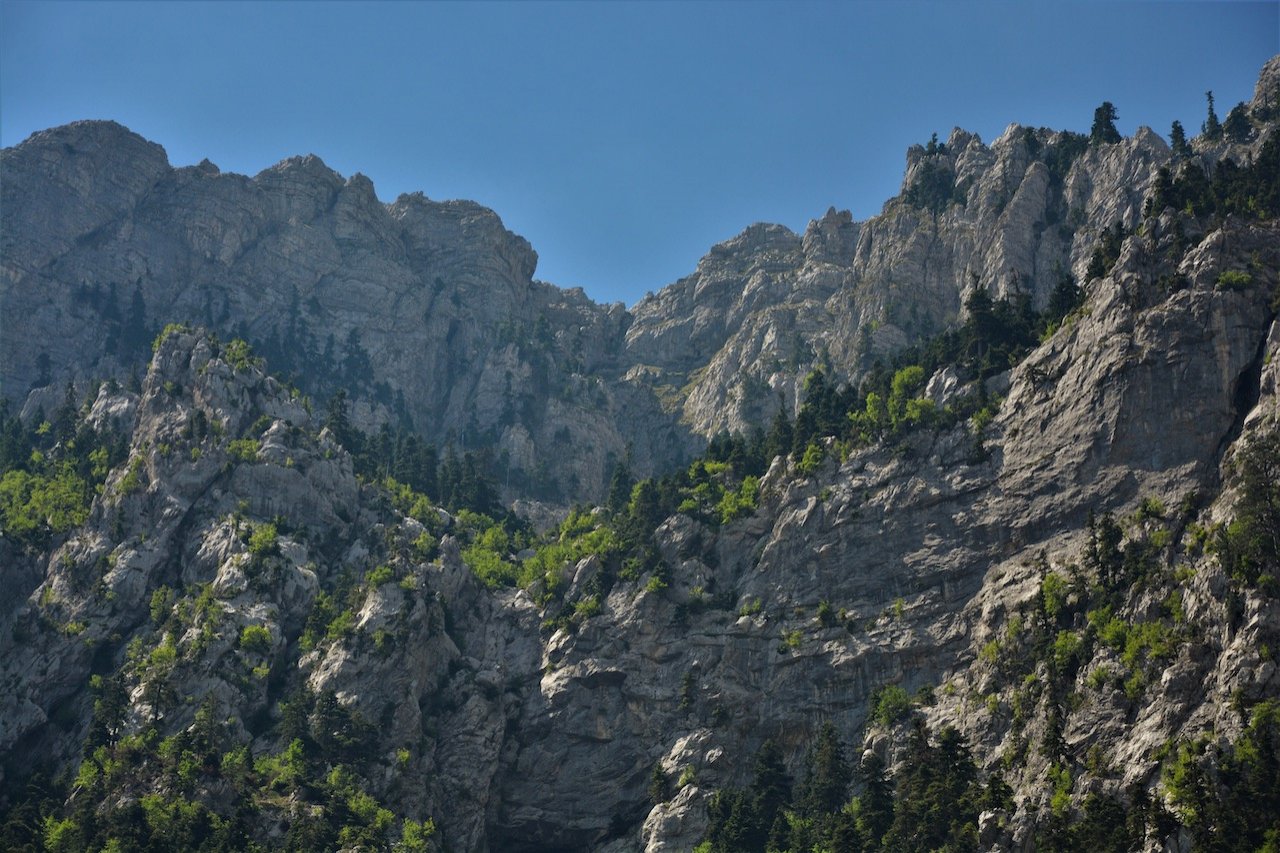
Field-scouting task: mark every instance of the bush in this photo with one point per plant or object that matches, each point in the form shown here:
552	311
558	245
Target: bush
244	449
889	704
255	639
814	453
264	540
379	576
489	566
736	504
239	355
170	329
1233	280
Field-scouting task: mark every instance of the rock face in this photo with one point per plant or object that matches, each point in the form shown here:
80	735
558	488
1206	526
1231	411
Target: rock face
883	565
427	312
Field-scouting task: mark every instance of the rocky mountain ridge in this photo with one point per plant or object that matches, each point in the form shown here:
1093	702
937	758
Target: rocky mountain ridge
1066	572
427	313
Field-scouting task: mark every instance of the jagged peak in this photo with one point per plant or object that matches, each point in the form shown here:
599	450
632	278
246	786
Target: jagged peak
94	133
309	165
1266	92
755	237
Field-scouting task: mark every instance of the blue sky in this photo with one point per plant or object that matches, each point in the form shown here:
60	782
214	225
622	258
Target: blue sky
622	139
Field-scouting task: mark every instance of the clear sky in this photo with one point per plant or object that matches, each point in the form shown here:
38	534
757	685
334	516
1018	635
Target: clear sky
622	139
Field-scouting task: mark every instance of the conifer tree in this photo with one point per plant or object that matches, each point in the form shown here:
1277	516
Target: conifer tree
1211	129
1104	125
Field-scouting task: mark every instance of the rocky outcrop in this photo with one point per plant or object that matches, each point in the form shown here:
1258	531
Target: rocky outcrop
233	556
424	311
427	312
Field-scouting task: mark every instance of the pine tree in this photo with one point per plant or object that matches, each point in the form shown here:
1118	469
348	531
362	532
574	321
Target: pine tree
1178	140
620	485
826	787
1211	129
1104	125
1237	127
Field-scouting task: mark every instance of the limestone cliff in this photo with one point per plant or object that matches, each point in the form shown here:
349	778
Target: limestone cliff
218	628
425	312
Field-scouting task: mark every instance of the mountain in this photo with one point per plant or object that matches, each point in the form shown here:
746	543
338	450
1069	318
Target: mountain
427	313
1014	591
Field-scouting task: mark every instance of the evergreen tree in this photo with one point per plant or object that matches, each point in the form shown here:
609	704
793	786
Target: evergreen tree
1104	130
875	804
1211	129
826	787
620	485
1064	299
778	441
1237	127
338	422
770	793
1178	140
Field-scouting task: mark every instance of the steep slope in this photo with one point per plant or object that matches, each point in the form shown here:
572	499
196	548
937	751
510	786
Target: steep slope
222	637
424	312
427	313
233	558
767	306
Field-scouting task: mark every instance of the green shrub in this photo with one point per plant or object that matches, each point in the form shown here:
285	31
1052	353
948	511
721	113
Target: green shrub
814	453
489	566
243	449
379	576
170	329
1233	280
255	639
889	704
239	355
264	541
736	504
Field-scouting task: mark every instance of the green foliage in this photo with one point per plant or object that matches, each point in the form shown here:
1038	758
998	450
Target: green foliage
1106	253
51	473
255	639
659	785
1104	130
934	188
1238	128
132	481
826	615
33	505
415	836
741	821
169	329
1068	649
736	504
889	704
1211	129
264	541
814	453
379	576
239	355
1228	796
243	449
936	802
1178	140
1251	191
1053	594
490	565
1248	547
1234	280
